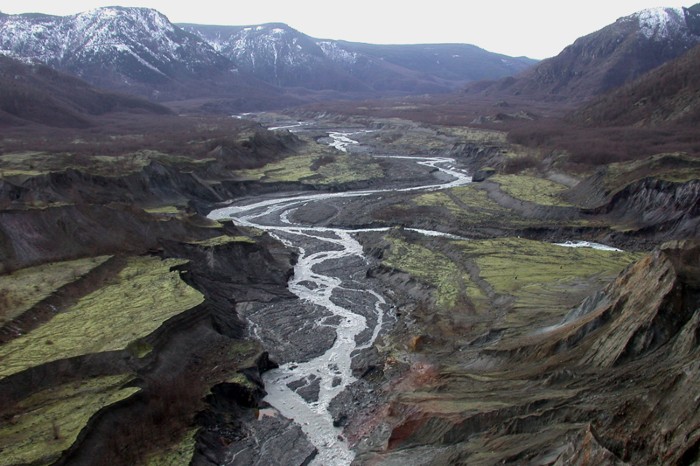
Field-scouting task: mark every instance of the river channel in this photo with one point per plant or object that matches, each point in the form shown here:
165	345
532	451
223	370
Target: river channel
328	279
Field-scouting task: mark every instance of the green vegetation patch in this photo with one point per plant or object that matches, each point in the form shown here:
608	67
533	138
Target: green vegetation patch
146	294
532	189
347	168
180	453
223	239
540	276
288	169
673	167
540	281
432	268
316	169
469	203
49	422
241	379
244	351
22	289
438	199
166	209
477	135
475	198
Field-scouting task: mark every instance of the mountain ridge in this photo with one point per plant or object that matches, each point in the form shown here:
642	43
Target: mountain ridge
138	50
667	94
354	65
604	59
134	50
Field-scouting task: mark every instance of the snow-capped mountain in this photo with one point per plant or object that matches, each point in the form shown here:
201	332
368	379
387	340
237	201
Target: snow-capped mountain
279	55
108	45
283	56
138	50
610	57
135	50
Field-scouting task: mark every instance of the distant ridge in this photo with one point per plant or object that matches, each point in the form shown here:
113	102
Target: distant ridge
283	56
139	51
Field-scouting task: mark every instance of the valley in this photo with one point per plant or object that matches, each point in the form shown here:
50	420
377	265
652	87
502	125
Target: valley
242	245
391	290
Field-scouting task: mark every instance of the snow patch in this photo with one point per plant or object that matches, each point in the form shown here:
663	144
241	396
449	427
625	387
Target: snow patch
100	34
659	23
336	53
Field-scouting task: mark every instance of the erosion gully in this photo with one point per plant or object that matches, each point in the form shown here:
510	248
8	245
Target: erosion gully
330	275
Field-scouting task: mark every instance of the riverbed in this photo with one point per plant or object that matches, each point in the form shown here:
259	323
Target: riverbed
333	297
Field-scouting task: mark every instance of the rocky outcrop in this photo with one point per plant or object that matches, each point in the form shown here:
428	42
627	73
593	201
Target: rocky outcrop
651	304
655	197
692	18
663	204
236	429
665	95
613	383
201	350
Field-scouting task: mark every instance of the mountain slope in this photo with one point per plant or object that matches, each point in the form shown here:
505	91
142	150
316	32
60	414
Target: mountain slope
456	62
606	59
277	54
135	50
668	94
281	55
138	50
40	94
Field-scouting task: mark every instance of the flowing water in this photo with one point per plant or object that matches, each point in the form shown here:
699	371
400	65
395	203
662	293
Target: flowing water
321	276
317	282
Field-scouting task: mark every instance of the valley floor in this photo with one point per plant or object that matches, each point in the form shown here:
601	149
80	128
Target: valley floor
488	337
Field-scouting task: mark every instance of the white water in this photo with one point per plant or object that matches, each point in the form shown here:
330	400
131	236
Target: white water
341	141
287	127
334	364
587	244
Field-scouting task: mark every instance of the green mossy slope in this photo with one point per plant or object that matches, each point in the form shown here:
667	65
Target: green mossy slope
516	281
24	288
146	294
48	422
316	169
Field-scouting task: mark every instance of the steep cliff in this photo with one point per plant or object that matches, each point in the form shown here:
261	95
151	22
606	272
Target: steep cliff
614	382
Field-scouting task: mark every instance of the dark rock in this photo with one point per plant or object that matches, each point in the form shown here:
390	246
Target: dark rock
483	173
340	420
310	391
296	384
366	362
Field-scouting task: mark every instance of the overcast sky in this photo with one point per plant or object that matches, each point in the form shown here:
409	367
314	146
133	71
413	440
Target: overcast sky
534	28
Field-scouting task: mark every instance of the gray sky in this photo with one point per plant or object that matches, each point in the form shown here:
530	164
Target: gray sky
534	28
